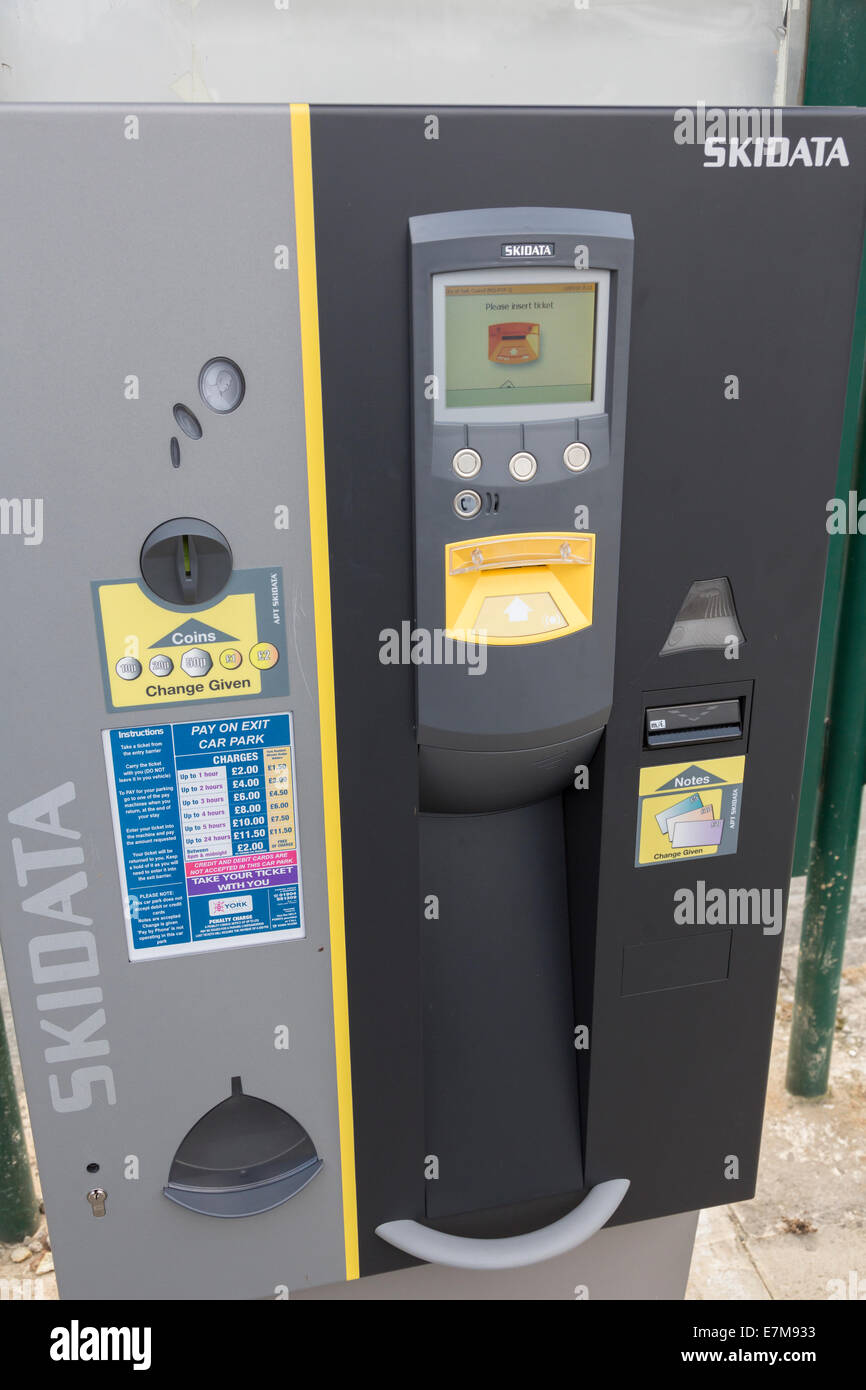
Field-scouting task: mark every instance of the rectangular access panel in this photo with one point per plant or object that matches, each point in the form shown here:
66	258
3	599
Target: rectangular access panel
412	560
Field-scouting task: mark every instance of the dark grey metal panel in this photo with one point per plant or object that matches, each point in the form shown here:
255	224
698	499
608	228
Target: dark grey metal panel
737	270
500	1067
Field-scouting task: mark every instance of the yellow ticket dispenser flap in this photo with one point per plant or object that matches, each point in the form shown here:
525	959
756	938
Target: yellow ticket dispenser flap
528	587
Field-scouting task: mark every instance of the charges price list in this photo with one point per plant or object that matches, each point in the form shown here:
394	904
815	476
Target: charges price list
241	806
237	807
279	798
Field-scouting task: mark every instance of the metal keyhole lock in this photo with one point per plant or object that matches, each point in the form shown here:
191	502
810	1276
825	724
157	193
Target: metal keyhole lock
96	1197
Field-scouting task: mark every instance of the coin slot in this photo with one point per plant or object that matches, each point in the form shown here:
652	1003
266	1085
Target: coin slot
186	561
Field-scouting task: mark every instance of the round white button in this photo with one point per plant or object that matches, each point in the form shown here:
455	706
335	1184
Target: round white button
467	504
522	466
195	662
466	463
576	457
128	668
161	665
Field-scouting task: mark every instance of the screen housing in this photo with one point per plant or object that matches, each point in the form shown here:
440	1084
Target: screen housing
529	275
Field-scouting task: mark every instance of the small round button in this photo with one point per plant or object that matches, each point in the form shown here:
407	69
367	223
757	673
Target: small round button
522	466
467	504
264	655
231	658
195	662
128	668
466	463
160	665
576	457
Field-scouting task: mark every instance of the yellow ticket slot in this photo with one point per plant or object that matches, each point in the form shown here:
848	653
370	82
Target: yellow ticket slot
516	589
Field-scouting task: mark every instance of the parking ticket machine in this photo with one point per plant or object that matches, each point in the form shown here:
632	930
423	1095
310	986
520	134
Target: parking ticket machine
412	567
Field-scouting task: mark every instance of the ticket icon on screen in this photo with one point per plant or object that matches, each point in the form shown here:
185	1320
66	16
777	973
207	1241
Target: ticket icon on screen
513	342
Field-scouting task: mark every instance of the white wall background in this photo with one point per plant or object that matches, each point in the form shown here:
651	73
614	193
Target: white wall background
516	52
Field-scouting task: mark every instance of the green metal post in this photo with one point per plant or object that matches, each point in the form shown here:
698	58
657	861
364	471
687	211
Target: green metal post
836	75
19	1213
828	886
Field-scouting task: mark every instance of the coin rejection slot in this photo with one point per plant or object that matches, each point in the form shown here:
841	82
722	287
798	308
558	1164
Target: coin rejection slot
243	1157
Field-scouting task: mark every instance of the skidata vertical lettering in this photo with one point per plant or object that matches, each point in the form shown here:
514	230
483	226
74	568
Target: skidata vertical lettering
64	964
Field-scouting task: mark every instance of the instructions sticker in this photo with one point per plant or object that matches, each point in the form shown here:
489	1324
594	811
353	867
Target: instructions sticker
689	810
205	822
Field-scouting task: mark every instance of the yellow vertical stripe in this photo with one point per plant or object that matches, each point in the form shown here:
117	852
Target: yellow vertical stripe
302	167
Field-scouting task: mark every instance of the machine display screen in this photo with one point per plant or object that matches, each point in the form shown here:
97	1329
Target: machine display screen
519	343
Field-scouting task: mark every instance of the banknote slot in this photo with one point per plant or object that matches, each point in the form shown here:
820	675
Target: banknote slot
708	721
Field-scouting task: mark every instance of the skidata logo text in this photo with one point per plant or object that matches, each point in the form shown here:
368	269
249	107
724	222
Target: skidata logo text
774	152
751	137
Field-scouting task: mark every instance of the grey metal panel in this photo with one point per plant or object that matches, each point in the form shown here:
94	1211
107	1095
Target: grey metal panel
594	431
495	444
150	256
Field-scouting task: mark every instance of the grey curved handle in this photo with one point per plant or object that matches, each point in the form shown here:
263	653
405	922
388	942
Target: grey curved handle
509	1252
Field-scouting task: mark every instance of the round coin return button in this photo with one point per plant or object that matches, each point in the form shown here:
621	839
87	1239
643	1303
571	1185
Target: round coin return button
467	504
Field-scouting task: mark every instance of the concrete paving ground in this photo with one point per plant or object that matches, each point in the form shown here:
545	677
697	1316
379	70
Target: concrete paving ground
803	1236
